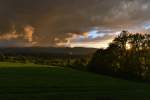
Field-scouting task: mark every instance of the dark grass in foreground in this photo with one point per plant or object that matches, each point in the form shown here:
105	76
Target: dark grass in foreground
37	82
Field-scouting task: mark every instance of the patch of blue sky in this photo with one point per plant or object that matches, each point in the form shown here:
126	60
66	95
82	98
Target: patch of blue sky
94	34
147	26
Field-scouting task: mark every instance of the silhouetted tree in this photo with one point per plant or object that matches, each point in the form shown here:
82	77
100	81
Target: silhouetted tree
127	56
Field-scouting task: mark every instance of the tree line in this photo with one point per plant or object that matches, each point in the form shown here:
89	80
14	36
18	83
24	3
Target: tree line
63	57
127	56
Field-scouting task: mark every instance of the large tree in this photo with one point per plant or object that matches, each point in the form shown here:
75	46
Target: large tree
128	55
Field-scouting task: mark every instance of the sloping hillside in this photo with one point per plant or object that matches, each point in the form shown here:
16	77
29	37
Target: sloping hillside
37	82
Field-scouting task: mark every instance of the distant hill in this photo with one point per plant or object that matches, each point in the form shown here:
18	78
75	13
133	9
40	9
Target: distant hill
47	51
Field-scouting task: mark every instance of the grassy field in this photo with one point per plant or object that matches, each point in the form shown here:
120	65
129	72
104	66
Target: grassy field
37	82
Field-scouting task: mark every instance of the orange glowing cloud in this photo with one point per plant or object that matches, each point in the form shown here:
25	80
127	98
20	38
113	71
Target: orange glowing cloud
28	31
9	36
26	35
85	34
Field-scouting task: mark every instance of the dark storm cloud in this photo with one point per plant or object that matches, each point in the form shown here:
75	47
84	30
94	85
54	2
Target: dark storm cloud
53	19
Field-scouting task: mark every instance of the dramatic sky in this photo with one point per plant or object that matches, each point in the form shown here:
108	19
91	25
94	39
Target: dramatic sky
82	23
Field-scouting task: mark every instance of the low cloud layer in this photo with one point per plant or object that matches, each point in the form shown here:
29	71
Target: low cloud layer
23	38
64	22
9	36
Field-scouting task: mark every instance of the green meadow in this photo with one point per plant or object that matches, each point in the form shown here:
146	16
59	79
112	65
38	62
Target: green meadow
38	82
